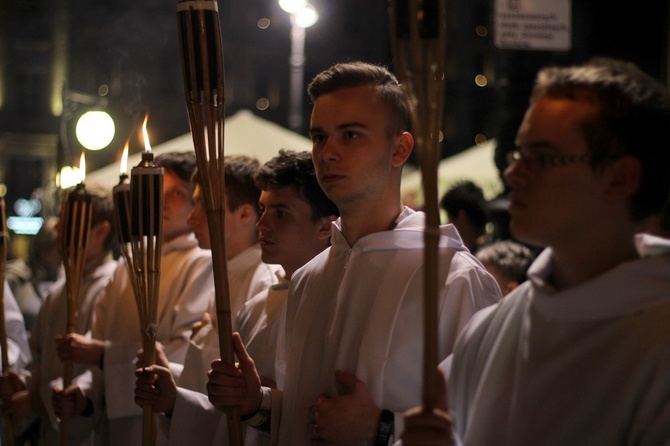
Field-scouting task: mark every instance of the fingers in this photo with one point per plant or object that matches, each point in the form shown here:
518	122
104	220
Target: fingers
146	392
10	383
346	379
226	387
65	401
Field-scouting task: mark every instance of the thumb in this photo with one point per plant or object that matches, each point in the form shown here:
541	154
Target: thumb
347	379
241	352
206	319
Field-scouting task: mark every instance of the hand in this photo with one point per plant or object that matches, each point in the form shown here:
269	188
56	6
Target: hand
425	427
161	358
79	349
68	403
206	320
18	405
352	418
235	385
155	387
10	383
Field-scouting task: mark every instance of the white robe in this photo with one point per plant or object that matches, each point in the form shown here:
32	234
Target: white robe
18	350
587	365
193	414
46	369
360	310
186	284
247	276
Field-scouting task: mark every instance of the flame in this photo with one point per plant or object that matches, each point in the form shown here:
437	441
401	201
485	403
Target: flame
124	159
145	135
82	166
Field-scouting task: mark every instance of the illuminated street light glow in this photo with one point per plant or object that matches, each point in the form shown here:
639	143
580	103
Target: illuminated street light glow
95	130
306	17
303	15
292	6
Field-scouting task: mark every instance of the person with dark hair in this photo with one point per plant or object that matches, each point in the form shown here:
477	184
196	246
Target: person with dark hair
347	365
185	289
295	225
38	388
248	274
465	206
580	352
507	261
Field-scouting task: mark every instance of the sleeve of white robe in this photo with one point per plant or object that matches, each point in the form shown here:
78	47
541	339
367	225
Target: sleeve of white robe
18	350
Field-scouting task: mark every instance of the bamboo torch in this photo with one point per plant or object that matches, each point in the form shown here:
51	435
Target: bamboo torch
419	40
4	242
146	234
76	226
122	221
202	63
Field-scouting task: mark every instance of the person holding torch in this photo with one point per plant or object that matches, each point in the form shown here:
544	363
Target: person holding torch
580	352
38	388
185	290
352	325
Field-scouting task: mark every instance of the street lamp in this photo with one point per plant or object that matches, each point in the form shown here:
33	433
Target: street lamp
86	116
95	129
303	15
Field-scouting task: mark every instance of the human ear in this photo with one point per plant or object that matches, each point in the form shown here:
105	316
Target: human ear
624	178
325	226
100	230
404	142
246	213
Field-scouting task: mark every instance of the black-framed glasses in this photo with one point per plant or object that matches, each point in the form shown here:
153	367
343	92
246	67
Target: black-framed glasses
540	161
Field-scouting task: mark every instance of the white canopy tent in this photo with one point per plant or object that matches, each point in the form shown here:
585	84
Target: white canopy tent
475	164
245	133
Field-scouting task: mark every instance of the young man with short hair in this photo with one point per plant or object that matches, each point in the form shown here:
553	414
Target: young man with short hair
185	289
295	225
579	353
42	392
351	325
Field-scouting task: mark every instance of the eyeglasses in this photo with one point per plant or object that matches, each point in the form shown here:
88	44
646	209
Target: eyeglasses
540	161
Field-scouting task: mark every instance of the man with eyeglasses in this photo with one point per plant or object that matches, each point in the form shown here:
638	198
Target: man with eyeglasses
580	353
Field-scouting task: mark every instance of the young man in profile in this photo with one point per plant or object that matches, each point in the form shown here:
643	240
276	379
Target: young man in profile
295	225
351	336
185	289
579	353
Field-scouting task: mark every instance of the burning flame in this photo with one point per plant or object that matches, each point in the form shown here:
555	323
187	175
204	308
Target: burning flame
82	167
145	135
124	159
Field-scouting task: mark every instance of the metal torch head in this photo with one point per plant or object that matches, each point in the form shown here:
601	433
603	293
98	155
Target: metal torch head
146	198
77	219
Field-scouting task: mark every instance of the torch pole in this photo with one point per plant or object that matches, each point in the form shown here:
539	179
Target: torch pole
122	221
146	201
418	36
202	64
76	226
4	244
